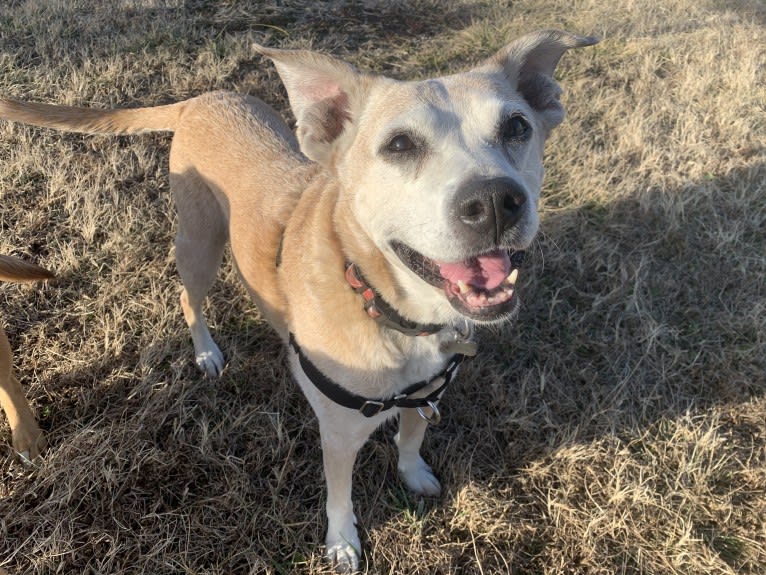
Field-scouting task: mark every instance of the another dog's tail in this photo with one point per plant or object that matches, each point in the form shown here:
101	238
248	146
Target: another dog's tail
16	270
92	120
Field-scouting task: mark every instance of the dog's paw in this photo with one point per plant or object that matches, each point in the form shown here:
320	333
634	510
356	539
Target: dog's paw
344	556
420	478
29	442
211	361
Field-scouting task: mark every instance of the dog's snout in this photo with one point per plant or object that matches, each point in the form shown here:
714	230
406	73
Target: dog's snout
490	207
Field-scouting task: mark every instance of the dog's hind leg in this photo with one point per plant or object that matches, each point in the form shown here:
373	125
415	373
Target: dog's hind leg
417	474
28	440
199	245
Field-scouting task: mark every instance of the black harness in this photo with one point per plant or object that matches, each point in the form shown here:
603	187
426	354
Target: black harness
371	407
379	310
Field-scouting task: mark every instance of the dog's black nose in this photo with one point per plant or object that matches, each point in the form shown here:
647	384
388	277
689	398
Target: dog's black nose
490	207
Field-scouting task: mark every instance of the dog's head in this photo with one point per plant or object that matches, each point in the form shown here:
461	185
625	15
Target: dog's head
443	176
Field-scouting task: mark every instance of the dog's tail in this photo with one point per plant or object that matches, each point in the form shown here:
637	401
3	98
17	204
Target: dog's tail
15	270
92	120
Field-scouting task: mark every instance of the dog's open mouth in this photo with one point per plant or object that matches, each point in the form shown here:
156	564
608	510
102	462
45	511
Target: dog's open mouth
482	287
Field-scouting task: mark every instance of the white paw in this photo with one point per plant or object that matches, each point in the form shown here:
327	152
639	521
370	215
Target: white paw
344	556
210	361
419	477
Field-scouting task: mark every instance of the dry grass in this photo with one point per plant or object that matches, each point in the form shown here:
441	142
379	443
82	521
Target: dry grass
618	427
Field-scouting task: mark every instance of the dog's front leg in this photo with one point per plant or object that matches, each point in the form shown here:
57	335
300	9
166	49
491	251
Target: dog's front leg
417	474
341	441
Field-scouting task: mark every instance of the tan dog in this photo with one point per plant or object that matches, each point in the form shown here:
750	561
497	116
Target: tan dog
420	196
28	440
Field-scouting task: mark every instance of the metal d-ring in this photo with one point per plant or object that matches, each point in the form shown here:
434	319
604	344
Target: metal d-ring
435	417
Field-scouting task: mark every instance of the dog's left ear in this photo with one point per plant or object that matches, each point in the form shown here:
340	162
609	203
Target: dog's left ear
529	63
323	93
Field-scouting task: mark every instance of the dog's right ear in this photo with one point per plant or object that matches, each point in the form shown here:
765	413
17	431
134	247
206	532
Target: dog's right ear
323	94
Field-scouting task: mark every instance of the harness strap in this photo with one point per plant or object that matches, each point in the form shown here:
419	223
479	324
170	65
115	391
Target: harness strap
371	407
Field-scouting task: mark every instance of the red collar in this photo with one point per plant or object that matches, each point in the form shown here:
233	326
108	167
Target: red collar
377	308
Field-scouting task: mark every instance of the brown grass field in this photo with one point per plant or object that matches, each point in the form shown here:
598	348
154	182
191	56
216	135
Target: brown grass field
619	426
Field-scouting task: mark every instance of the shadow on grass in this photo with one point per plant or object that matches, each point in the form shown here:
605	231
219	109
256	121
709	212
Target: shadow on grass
636	313
641	317
151	455
355	22
749	10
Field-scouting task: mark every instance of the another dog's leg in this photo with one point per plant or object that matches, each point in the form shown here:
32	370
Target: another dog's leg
199	250
28	440
417	474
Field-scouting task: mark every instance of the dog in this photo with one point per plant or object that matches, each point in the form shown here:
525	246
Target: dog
373	238
27	439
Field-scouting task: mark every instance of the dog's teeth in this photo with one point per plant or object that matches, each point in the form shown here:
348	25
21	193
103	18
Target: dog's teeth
463	287
512	277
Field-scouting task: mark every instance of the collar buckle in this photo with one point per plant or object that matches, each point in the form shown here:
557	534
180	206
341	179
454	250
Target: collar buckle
371	408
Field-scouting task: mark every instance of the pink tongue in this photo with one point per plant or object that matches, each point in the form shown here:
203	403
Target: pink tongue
486	272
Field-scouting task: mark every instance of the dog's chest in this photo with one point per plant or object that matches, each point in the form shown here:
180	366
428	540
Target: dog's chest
425	357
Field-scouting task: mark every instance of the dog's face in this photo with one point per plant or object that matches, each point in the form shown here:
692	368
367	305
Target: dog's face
442	175
445	176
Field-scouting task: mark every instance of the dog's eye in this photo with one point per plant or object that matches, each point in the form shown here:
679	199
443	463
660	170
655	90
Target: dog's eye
515	129
400	144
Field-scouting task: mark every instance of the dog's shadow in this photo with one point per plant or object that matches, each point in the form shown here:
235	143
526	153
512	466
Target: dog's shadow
640	323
